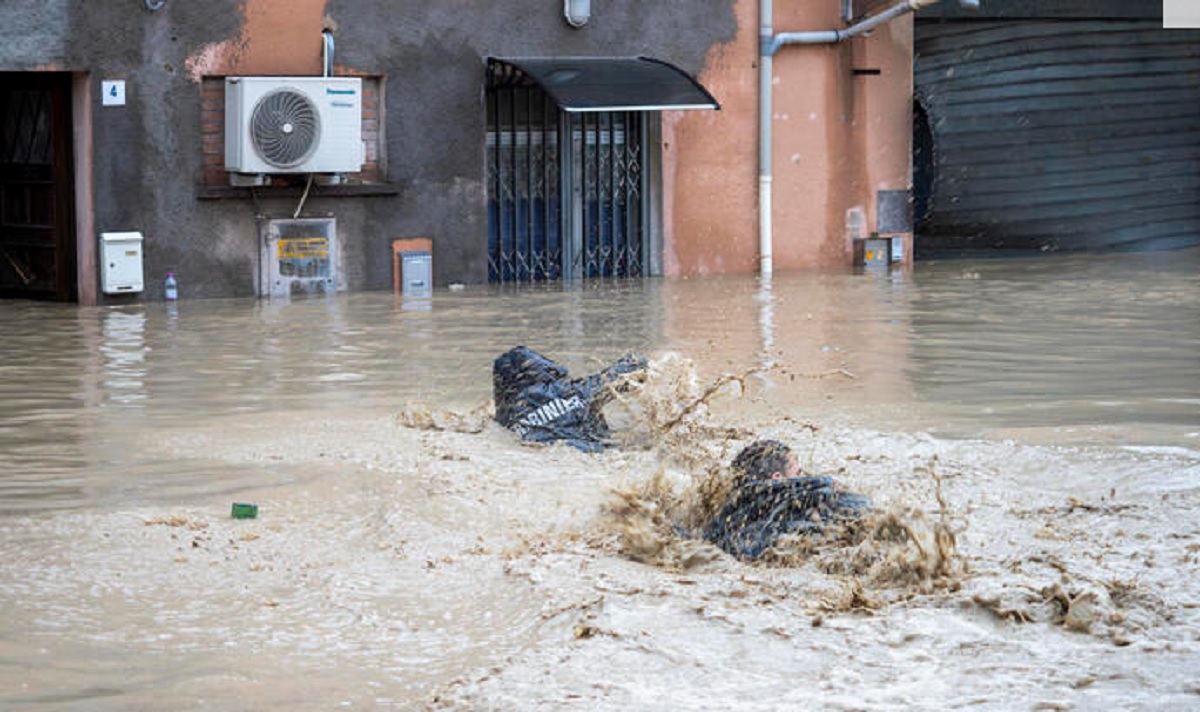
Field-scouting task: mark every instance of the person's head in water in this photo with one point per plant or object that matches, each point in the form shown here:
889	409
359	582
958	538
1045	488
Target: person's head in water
766	460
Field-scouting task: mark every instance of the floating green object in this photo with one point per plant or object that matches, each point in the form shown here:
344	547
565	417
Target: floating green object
244	511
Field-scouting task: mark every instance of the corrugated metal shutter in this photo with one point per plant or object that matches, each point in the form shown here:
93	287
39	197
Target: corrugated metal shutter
1058	135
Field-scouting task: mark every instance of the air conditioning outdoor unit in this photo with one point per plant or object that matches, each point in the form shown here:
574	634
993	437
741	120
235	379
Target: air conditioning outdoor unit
293	125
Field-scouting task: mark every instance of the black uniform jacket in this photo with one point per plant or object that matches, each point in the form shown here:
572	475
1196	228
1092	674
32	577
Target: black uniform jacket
758	512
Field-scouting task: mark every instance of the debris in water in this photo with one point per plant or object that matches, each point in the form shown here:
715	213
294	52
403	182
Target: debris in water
419	415
177	520
536	398
883	556
851	599
243	510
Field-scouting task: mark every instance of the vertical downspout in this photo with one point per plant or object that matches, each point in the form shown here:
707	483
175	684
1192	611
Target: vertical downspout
765	62
327	54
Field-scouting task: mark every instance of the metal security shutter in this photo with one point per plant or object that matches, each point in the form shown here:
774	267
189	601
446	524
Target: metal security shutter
524	207
1056	134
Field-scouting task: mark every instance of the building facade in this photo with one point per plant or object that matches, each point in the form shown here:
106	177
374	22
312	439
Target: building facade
484	136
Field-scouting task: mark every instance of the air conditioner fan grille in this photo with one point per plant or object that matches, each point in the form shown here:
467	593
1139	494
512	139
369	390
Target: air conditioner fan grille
284	127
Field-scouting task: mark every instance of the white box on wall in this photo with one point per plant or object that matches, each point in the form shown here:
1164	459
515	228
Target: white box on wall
121	262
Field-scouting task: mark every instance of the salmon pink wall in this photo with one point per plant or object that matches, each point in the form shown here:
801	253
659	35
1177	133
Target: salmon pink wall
886	113
276	39
710	164
838	139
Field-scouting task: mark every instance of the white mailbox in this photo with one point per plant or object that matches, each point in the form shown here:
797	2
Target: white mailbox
121	262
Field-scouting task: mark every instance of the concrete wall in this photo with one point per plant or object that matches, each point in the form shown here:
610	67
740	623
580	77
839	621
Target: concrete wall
838	138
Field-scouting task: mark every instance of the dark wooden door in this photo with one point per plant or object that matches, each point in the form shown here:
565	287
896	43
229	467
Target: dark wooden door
37	240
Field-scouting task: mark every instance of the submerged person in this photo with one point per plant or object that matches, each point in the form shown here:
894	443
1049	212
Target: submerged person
536	398
771	498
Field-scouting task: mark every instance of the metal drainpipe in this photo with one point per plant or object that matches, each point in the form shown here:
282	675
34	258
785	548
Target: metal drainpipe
769	44
766	40
327	53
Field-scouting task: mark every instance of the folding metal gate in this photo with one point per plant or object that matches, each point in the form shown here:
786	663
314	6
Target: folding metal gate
524	207
606	195
555	213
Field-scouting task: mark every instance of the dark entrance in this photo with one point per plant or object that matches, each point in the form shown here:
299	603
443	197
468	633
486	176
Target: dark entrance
922	167
37	240
555	213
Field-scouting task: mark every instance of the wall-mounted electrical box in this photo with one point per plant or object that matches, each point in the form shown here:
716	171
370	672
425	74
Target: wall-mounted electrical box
300	257
121	262
873	252
412	266
416	274
877	251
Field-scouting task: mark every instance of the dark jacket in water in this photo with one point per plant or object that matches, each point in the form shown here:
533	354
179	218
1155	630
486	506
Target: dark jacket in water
536	398
758	512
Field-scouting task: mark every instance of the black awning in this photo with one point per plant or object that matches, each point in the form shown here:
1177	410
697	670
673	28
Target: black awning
582	84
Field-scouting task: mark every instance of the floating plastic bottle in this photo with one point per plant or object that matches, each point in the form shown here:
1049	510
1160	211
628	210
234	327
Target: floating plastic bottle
172	287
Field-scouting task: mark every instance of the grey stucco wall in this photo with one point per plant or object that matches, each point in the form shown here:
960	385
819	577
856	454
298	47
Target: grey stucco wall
34	34
433	55
147	154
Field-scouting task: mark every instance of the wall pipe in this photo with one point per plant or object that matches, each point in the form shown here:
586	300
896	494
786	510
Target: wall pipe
327	53
766	43
769	44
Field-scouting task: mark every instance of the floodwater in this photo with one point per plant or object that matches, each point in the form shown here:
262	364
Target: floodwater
1031	426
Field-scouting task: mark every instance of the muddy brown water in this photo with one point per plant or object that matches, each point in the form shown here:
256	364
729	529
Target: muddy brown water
433	562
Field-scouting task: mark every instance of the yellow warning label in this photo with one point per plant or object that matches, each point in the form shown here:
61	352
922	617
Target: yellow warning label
303	247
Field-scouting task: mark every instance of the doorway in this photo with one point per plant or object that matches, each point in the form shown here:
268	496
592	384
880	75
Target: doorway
37	212
564	209
923	167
